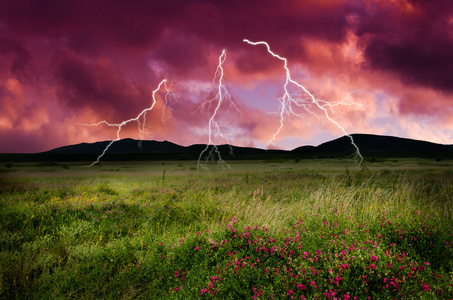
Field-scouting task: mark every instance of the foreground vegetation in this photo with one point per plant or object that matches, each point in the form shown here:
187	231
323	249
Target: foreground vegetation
275	230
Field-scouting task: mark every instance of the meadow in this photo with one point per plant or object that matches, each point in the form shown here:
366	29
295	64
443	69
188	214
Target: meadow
315	229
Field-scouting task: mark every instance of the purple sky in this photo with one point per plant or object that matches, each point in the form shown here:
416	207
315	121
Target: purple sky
77	61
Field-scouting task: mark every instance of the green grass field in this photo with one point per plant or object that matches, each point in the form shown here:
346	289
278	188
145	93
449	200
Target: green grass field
261	230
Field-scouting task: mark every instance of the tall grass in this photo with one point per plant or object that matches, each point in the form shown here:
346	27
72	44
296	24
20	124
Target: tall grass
254	234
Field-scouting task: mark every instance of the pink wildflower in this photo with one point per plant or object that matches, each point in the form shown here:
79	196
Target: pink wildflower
425	287
300	286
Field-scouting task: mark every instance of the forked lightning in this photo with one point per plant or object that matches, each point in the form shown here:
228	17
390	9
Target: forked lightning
140	119
287	102
219	98
212	152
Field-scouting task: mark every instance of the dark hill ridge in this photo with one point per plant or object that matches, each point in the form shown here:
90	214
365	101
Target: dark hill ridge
128	146
378	143
131	146
369	145
380	146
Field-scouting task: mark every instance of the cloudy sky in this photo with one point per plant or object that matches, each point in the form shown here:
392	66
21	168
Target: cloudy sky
388	62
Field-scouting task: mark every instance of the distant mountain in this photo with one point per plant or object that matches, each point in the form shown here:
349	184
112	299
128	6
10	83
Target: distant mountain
371	146
379	146
131	146
128	146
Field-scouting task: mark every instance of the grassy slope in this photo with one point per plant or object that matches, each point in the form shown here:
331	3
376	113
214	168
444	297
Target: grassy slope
128	230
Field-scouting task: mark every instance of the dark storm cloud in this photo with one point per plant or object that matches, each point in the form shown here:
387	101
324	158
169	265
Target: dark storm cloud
18	55
97	26
416	61
415	44
97	85
179	35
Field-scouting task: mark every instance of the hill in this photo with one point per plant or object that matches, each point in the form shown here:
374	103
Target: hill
371	146
379	146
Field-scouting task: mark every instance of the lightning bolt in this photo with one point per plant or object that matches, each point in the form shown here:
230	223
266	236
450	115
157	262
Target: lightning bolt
219	98
140	119
288	102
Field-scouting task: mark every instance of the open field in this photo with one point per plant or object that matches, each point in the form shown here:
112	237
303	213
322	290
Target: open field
262	230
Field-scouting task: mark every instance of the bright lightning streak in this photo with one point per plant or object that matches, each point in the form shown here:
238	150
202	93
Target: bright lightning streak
288	101
141	123
220	97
